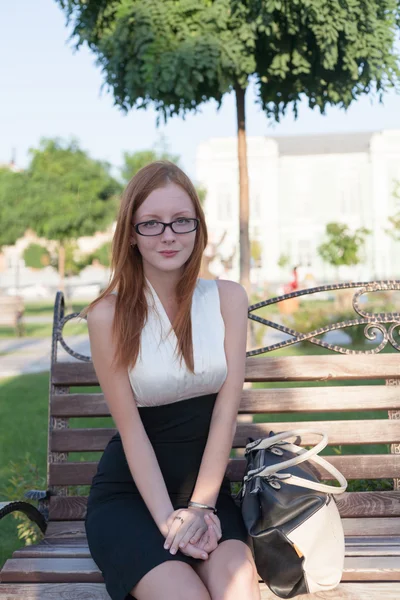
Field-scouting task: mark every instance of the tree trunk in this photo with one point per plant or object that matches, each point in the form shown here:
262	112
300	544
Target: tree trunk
244	241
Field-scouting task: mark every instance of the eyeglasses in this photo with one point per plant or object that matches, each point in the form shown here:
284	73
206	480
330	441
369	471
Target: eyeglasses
153	227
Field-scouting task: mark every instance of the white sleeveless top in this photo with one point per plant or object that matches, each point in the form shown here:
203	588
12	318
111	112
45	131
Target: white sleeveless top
157	377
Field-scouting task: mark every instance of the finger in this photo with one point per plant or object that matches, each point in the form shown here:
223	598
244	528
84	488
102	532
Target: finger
194	551
187	528
171	534
196	537
217	523
192	533
212	542
215	520
203	541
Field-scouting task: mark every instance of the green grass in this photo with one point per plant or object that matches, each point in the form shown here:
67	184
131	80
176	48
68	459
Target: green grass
41	330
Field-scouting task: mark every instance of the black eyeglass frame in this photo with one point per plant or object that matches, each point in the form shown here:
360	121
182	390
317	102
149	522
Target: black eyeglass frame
136	226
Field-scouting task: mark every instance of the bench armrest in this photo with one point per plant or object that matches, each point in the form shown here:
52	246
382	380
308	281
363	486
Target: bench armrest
28	509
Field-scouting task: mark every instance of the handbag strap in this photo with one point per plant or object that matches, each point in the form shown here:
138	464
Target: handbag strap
303	455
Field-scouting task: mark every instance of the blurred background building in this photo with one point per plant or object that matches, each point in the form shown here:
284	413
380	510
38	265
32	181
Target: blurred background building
297	186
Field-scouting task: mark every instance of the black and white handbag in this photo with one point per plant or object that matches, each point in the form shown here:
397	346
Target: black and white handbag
292	518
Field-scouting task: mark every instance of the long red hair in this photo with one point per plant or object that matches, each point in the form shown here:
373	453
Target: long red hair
127	275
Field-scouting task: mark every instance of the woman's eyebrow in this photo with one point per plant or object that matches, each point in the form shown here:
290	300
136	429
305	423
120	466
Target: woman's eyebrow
174	215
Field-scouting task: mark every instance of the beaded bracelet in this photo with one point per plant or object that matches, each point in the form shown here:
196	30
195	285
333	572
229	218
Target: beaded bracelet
197	505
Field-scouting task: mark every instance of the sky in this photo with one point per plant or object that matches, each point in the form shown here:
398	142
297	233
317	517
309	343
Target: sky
48	89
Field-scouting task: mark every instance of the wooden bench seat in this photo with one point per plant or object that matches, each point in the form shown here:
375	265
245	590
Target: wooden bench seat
60	565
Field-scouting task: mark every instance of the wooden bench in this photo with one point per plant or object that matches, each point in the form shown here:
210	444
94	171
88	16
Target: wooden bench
12	313
60	566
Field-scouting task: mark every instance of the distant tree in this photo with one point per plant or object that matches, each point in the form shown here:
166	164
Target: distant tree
102	254
36	256
13	215
256	252
342	247
68	195
179	54
134	161
283	260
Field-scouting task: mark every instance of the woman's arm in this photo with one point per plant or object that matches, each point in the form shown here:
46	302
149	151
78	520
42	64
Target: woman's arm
234	310
118	393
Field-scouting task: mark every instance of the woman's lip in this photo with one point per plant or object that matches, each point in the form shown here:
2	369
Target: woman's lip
169	252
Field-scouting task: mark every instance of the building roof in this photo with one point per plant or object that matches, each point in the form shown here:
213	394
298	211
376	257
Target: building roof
328	143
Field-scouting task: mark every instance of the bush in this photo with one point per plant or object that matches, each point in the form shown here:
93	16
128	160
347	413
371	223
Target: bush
25	476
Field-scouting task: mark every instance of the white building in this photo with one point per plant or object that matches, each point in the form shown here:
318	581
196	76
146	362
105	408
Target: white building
297	186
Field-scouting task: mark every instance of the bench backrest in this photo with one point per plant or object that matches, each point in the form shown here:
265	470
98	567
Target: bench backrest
354	395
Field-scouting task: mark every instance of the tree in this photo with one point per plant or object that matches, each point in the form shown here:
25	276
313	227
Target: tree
342	246
68	195
13	216
36	256
134	161
178	54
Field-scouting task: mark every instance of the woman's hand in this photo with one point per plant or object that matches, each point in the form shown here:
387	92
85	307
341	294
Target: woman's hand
207	543
210	519
190	540
183	524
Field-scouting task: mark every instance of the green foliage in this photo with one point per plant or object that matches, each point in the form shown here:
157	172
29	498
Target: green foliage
283	260
342	247
13	216
36	256
178	54
68	194
102	254
133	162
25	476
307	319
256	252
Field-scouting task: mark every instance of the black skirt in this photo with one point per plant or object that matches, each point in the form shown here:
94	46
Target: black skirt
123	537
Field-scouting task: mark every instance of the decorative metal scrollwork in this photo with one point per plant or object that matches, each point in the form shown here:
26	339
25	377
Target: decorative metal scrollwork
374	323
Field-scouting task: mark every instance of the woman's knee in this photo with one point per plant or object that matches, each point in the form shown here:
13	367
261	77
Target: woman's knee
171	580
240	568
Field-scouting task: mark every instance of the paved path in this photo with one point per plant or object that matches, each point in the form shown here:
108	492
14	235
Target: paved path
32	355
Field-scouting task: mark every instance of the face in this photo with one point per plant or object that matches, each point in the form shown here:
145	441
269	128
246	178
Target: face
165	204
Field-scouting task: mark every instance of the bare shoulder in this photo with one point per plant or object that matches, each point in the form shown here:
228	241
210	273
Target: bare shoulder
232	293
233	297
103	311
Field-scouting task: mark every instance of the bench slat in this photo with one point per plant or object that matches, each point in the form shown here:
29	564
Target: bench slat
384	526
274	400
350	504
97	591
54	591
373	466
269	368
345	591
368	431
62	550
85	570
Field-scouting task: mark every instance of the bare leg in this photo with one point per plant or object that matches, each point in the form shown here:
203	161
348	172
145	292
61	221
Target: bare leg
172	580
230	573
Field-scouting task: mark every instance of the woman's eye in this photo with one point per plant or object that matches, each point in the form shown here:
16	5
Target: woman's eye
182	220
150	223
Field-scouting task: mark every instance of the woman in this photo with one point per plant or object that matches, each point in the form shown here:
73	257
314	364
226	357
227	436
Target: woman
169	351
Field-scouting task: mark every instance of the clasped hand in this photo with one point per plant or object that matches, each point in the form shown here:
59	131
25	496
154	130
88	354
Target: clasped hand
196	536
